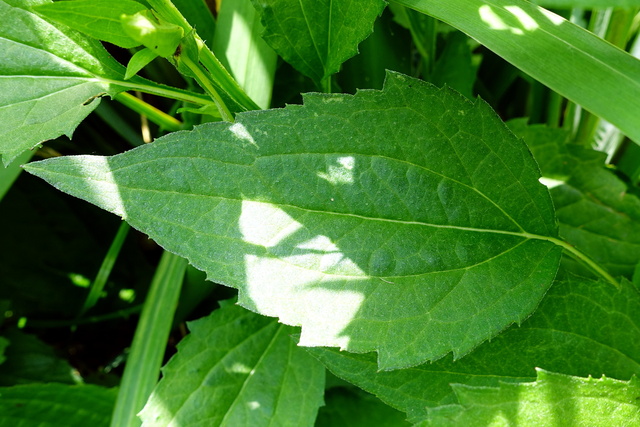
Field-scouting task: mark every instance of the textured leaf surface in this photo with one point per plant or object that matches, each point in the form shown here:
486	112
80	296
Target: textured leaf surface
596	213
96	18
237	368
581	328
408	221
553	400
49	78
56	405
317	36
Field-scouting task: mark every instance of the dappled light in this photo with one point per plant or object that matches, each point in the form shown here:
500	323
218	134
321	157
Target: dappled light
522	22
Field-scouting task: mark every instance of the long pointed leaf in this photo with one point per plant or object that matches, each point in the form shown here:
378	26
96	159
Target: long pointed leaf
414	243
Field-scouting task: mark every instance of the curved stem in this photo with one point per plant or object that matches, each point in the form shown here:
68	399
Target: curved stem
575	253
163	91
203	81
155	115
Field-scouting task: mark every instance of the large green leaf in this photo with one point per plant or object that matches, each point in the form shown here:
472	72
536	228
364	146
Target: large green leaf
239	369
581	328
553	400
317	36
595	210
54	405
408	221
570	60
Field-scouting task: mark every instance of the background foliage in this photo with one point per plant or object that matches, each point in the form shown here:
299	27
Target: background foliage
378	252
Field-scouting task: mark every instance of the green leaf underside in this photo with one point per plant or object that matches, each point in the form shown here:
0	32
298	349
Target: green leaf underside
408	221
49	79
553	400
96	18
56	405
595	212
253	375
576	331
317	36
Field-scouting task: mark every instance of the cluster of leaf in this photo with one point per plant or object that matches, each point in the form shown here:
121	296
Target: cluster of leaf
398	237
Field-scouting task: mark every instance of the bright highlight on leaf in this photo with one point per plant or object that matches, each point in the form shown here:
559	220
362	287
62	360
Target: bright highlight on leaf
409	221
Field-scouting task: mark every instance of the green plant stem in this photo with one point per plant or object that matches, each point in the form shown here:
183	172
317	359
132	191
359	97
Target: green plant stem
217	72
105	269
203	80
575	253
222	77
157	116
143	364
161	90
124	313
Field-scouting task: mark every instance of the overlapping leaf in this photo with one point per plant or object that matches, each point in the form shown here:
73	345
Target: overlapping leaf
317	36
237	368
595	210
581	328
49	78
553	400
408	221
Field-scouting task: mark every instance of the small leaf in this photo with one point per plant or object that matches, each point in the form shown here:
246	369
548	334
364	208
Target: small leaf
138	61
56	405
160	36
48	75
99	19
575	331
314	36
553	400
414	243
252	375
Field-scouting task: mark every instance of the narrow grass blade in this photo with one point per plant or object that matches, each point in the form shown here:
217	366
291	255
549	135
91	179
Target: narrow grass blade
143	365
570	60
